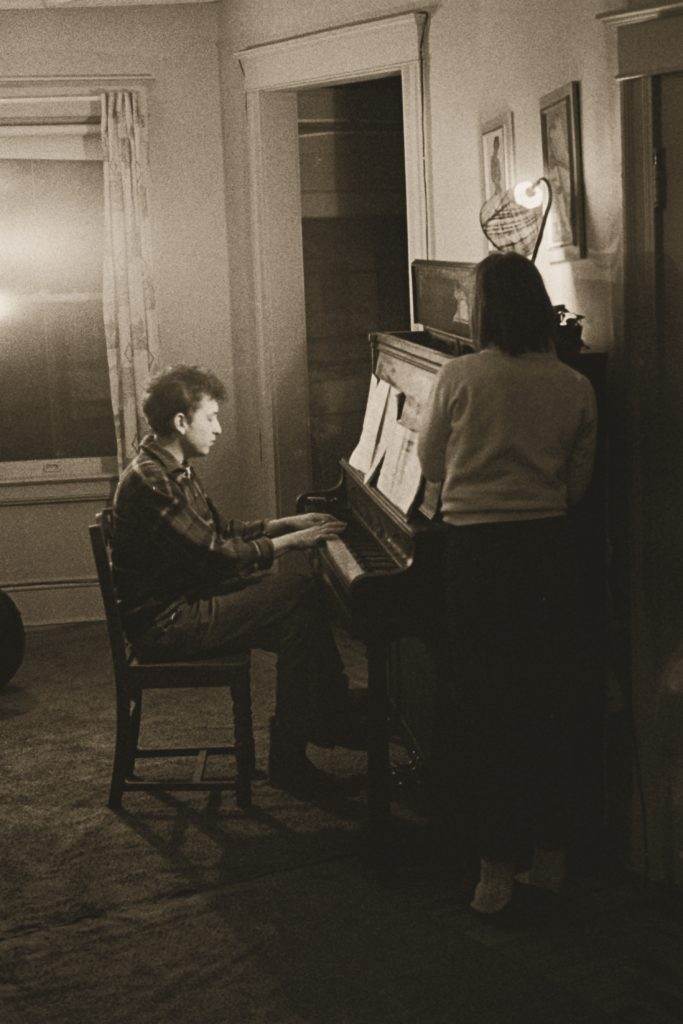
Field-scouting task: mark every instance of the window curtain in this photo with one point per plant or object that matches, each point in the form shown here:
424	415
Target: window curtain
130	320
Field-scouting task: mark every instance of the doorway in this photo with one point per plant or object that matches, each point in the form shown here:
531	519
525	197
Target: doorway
275	75
355	252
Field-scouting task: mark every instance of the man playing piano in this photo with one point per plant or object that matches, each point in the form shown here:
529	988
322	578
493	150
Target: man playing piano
192	584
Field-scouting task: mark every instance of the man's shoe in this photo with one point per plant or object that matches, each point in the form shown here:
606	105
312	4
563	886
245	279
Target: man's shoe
300	777
347	728
345	731
351	731
290	769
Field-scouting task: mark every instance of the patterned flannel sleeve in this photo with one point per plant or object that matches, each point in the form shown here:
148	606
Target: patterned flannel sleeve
248	531
196	538
235	527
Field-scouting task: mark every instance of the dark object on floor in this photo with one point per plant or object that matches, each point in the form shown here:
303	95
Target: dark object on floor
12	638
133	677
348	728
291	770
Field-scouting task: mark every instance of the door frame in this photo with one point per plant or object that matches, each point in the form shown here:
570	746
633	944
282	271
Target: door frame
649	44
272	72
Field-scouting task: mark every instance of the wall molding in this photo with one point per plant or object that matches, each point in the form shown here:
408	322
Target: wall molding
75	80
634	15
361	50
17	493
65	584
649	39
78	499
57	602
17	5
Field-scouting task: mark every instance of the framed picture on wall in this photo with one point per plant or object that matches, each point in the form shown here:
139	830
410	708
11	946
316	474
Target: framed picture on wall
563	167
497	145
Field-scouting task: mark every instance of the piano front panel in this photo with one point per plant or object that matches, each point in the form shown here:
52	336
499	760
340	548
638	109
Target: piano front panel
410	367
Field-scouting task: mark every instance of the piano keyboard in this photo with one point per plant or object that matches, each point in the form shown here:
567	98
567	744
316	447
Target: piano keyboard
357	552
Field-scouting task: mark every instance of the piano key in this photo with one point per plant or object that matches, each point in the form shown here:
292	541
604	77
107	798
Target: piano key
340	555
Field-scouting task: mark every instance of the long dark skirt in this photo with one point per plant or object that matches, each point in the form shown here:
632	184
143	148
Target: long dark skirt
511	623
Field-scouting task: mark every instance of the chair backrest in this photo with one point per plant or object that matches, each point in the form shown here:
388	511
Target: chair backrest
100	538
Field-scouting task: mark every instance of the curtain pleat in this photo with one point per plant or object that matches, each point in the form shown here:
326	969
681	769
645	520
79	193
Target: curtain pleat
130	320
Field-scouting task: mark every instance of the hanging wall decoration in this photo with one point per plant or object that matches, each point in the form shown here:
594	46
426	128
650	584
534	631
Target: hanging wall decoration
498	152
562	166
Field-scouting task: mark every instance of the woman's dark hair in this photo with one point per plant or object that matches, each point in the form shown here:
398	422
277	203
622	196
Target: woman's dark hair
511	309
178	389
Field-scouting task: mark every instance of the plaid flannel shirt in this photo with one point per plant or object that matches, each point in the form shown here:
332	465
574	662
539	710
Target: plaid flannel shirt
170	541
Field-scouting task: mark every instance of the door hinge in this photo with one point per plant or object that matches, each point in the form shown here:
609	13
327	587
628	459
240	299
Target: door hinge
659	176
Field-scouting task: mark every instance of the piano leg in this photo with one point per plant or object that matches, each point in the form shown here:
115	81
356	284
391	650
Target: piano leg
379	775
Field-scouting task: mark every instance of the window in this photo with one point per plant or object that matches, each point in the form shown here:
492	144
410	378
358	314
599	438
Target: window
55	403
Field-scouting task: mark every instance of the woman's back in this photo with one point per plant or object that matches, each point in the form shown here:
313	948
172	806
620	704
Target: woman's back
511	437
510	432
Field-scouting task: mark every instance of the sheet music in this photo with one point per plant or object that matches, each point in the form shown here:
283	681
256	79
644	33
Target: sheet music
400	476
392	413
362	456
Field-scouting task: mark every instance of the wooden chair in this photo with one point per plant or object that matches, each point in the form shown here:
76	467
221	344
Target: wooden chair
132	677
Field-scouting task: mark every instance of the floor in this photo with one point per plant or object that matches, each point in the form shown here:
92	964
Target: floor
185	909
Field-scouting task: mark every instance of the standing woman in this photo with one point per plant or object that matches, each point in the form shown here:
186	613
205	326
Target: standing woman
509	432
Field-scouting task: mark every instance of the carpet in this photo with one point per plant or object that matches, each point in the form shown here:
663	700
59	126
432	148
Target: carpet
182	908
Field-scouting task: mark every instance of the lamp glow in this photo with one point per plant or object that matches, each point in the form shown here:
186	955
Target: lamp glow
529	194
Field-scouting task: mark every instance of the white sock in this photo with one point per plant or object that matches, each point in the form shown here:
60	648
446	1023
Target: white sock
494	889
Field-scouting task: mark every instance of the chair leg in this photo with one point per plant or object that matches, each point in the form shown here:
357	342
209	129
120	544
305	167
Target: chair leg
134	733
245	755
124	751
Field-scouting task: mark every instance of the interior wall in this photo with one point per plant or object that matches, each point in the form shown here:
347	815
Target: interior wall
480	57
48	569
176	45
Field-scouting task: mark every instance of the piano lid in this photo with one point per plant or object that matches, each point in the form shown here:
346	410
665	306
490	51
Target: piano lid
442	298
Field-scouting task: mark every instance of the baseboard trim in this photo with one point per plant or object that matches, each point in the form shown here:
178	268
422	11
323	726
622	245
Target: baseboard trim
70	582
56	602
42	627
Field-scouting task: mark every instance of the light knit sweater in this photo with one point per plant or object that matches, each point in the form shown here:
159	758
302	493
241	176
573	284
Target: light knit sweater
508	437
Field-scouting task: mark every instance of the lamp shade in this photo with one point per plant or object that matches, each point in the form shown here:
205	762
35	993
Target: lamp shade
513	220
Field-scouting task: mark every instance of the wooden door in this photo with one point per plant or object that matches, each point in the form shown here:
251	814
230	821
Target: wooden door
649	398
668	527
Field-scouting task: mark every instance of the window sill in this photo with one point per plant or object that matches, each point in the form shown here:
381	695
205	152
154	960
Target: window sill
60	482
47	471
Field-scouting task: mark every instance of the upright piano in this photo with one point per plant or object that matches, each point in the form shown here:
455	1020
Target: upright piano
383	573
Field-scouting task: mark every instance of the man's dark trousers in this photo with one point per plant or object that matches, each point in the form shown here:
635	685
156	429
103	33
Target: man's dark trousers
283	611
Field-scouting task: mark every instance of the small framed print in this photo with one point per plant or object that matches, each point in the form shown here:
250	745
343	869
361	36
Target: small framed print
497	145
442	295
563	167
